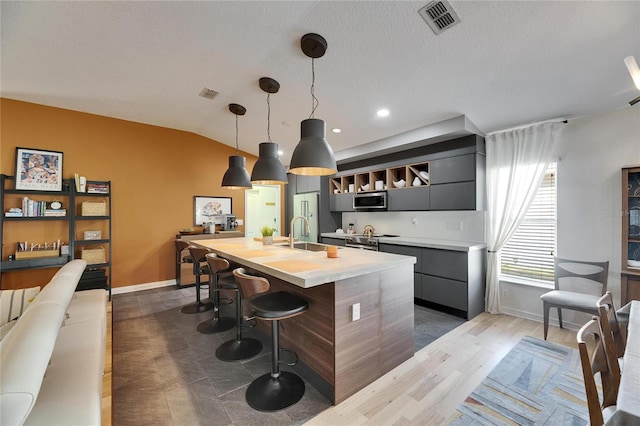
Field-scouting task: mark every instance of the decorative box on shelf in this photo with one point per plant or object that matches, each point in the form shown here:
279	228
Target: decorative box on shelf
94	208
92	235
35	254
93	255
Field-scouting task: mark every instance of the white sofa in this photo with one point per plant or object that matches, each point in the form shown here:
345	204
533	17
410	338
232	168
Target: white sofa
52	359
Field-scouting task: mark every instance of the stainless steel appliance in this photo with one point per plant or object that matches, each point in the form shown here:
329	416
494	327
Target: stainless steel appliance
370	200
306	205
364	242
229	222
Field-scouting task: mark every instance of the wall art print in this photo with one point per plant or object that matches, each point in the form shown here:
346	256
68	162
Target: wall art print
38	170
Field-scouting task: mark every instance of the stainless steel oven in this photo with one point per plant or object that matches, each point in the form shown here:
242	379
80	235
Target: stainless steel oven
361	242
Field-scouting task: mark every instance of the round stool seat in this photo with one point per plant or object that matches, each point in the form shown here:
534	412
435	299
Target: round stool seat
187	259
277	305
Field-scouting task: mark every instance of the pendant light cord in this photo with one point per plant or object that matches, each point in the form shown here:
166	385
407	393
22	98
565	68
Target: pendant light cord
268	117
237	152
314	100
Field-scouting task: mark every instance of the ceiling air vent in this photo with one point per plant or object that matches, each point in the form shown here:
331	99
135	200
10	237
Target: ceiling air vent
208	93
439	15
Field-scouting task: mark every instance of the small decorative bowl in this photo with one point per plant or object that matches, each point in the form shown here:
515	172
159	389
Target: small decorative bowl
365	187
399	184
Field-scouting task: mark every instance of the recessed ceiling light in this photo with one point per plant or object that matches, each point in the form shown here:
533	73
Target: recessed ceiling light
336	130
383	112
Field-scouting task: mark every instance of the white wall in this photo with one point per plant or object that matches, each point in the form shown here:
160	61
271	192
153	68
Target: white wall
442	225
592	151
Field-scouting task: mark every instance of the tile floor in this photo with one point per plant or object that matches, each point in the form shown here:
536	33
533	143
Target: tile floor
166	373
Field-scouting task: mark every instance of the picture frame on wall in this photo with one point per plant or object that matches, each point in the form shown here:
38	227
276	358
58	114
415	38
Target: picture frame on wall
206	209
38	170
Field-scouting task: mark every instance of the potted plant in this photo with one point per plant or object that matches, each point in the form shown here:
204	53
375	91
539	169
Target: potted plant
267	235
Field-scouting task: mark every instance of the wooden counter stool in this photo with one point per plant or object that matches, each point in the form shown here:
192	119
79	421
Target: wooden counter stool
198	255
218	280
279	389
180	246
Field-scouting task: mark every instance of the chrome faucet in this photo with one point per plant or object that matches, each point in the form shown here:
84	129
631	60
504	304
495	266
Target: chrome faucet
291	229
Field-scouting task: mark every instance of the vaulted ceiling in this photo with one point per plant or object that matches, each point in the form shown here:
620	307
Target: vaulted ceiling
504	64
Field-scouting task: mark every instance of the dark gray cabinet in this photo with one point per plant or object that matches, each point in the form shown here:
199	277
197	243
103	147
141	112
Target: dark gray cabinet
453	196
341	203
409	199
453	169
457	183
451	278
332	241
307	184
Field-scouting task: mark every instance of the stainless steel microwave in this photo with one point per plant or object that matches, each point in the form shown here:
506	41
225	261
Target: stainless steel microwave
370	200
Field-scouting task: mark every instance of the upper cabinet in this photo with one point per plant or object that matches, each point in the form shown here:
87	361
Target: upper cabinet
445	176
458	182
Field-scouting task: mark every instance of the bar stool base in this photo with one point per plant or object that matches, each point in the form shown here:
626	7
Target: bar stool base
196	308
236	350
268	394
216	325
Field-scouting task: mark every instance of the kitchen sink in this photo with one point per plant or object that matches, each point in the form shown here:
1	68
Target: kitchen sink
303	245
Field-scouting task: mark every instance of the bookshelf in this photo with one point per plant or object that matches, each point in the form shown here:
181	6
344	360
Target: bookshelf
57	218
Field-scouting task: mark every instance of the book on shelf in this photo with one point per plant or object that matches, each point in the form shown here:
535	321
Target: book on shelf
97	188
33	208
55	213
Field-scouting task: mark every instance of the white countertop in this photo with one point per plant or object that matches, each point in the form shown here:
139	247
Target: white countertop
300	267
421	242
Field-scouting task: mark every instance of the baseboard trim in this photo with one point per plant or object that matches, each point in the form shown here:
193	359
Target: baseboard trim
539	318
140	287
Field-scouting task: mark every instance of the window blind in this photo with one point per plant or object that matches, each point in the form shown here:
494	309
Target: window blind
530	250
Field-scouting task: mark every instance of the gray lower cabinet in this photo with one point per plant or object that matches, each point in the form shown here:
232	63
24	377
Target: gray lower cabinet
341	203
408	199
451	278
332	241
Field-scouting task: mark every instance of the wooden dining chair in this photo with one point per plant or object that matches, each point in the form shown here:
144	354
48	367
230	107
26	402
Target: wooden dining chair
580	274
614	339
593	359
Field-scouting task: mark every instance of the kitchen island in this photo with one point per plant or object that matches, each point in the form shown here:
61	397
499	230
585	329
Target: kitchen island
345	355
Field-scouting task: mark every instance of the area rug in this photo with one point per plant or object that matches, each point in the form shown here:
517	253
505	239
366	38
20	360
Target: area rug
537	382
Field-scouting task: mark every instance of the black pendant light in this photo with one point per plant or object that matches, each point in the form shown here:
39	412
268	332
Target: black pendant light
268	170
313	156
236	176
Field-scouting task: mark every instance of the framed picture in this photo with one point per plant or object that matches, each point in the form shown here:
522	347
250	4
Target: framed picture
38	170
205	209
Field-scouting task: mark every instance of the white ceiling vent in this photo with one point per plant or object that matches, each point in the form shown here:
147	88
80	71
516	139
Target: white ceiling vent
208	93
439	15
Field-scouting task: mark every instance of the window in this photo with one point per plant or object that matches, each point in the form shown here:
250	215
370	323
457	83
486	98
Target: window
530	250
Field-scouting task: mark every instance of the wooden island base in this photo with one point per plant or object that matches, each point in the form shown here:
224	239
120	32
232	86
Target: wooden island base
348	354
345	355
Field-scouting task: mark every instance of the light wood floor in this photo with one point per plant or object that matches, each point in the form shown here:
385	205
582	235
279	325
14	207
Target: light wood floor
426	389
106	379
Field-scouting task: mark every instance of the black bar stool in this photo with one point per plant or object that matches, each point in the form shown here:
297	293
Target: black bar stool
279	389
198	255
218	280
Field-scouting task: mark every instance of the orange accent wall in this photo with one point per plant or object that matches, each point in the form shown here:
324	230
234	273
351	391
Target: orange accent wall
154	172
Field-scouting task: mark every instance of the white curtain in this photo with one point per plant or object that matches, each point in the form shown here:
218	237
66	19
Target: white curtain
516	163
